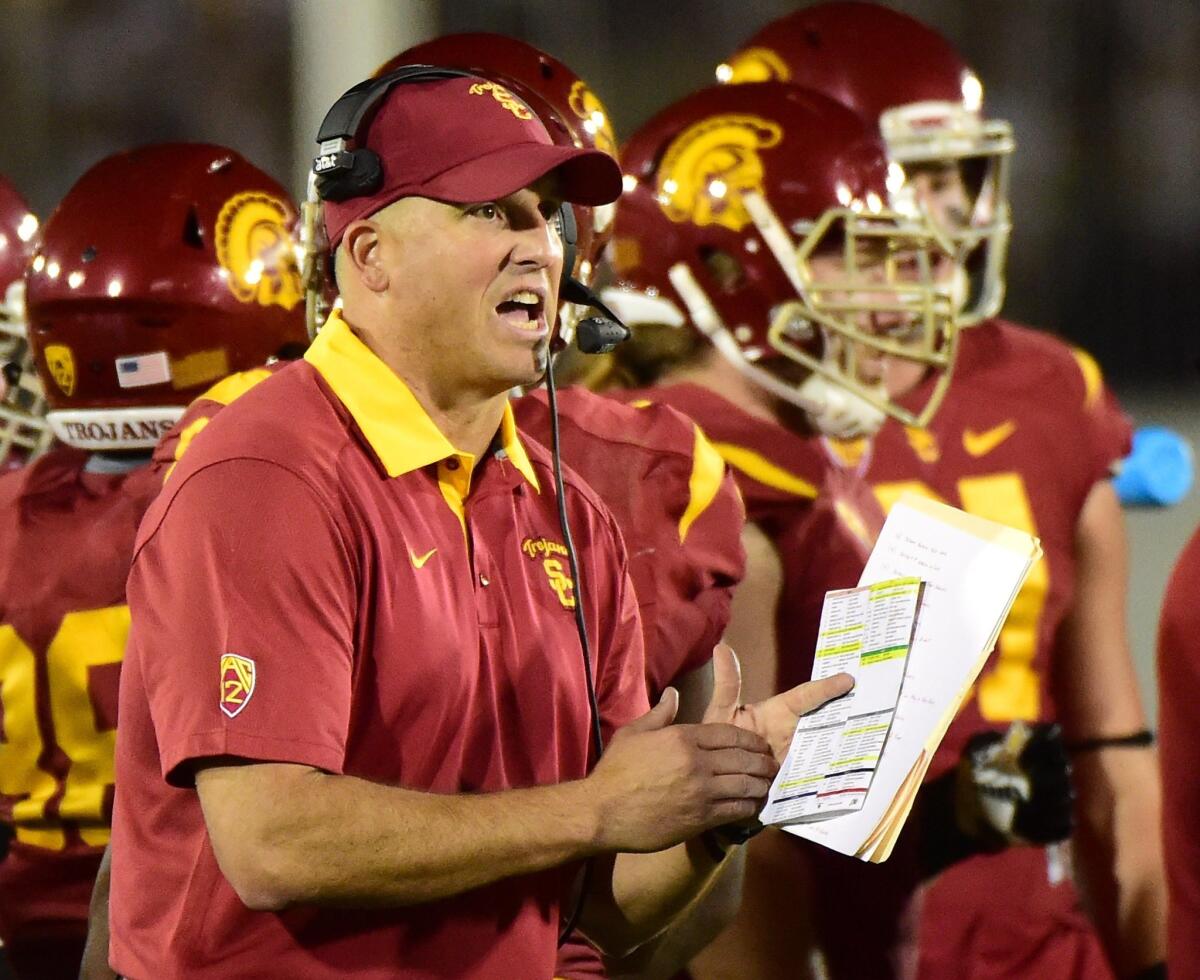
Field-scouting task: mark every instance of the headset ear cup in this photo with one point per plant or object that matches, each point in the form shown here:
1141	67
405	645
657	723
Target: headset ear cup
568	232
365	176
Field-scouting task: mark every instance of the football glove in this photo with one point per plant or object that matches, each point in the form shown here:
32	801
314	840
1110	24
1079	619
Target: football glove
1015	788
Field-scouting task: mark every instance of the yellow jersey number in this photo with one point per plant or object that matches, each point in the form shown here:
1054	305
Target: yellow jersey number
1009	691
84	640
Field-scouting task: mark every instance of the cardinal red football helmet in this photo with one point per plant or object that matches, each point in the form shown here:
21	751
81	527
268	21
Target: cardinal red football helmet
928	104
735	198
163	270
23	428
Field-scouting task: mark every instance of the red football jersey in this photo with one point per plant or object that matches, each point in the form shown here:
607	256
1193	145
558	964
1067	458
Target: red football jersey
822	518
1179	756
999	447
1026	431
66	538
681	516
678	509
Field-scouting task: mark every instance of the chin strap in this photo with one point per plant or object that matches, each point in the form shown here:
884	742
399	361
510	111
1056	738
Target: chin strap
833	410
845	415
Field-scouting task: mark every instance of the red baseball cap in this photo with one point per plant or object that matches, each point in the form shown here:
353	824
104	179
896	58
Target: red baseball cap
465	140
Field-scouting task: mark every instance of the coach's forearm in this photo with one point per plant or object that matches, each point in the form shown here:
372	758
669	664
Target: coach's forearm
287	834
95	951
644	895
692	930
1118	848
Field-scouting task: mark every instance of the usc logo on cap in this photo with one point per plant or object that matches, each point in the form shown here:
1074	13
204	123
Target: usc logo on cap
238	675
504	97
754	65
255	248
708	167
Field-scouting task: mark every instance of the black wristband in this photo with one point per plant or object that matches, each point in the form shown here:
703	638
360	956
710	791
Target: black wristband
718	840
1137	740
1156	972
716	849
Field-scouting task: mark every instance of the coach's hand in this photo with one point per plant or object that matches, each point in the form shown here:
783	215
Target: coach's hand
658	784
772	720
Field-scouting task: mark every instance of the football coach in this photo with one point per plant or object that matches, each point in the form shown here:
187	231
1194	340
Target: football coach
354	734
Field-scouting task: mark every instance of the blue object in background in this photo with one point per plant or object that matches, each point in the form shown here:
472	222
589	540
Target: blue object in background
1158	472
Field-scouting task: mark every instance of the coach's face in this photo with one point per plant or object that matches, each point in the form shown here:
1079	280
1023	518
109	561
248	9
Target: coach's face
473	289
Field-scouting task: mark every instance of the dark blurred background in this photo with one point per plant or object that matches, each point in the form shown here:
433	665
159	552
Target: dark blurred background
1104	97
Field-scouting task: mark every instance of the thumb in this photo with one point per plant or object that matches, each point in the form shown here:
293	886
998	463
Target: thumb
727	685
660	716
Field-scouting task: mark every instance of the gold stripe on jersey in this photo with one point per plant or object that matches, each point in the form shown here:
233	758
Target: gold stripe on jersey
190	431
708	469
760	468
1093	377
232	388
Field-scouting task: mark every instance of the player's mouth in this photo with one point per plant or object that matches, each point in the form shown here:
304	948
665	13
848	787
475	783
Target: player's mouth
524	310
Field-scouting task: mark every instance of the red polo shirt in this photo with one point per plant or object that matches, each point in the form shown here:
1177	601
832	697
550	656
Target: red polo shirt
325	580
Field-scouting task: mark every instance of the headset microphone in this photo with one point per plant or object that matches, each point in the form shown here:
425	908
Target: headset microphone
594	334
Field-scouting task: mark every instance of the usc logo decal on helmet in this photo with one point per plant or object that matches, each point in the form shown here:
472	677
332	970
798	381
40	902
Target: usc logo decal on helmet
754	65
61	363
708	167
254	247
590	110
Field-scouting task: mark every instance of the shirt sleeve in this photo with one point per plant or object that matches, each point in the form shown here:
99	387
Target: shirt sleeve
1106	429
243	603
1179	757
614	622
700	566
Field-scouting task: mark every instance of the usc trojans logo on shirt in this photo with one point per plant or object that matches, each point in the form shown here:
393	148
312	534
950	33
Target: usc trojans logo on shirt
708	167
238	675
255	248
555	567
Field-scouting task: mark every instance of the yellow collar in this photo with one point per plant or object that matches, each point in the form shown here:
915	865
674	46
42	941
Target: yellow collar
389	416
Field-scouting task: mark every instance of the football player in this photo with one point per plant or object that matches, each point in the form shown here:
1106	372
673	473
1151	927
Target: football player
768	276
23	430
1028	435
163	270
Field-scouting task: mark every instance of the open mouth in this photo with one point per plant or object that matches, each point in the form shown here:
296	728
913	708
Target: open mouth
523	309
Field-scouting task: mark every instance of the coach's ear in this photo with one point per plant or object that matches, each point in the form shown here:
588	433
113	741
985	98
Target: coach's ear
359	255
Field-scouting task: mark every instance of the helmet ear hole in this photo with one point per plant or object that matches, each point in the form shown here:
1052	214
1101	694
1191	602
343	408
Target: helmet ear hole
725	269
193	237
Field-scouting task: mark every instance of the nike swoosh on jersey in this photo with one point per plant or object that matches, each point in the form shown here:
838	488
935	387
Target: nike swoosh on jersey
982	443
419	562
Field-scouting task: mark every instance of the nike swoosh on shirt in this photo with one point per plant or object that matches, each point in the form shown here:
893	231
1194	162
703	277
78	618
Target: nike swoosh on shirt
982	443
419	562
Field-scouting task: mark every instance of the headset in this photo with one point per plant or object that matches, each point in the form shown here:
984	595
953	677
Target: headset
346	168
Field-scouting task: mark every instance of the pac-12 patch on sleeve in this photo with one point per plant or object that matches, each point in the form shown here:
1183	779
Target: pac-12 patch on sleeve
238	675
